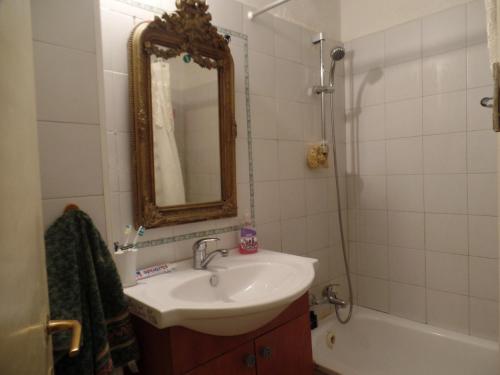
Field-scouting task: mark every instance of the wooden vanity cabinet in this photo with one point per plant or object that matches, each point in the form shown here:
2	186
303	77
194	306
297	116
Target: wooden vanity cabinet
281	347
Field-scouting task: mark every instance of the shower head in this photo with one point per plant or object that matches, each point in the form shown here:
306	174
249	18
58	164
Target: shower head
337	53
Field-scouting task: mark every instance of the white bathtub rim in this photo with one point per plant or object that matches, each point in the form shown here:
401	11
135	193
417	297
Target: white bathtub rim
410	324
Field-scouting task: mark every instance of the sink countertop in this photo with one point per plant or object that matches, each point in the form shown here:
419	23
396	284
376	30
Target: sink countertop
234	295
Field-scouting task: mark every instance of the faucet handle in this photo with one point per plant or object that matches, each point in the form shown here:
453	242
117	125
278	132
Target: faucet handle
202	243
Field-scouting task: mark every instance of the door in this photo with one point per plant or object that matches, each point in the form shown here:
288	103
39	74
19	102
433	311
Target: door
24	348
286	350
240	361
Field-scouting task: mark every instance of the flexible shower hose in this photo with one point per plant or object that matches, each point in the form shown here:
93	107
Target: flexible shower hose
339	213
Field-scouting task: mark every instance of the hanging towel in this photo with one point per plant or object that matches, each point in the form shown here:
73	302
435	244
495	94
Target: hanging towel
84	285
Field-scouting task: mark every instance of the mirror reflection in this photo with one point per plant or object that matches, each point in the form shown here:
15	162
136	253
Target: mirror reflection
185	114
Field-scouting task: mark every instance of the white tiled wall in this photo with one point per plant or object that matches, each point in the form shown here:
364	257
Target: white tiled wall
293	205
421	171
66	74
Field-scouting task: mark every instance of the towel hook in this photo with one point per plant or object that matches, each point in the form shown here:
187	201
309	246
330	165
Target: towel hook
485	102
71	207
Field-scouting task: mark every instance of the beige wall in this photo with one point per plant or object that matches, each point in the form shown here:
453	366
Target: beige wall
358	16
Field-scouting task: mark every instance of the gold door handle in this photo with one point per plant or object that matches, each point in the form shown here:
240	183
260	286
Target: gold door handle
63	325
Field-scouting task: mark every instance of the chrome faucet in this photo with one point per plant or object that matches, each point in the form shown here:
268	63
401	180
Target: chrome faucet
200	257
329	297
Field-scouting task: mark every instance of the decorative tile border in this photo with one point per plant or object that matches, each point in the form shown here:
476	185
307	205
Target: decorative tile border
216	231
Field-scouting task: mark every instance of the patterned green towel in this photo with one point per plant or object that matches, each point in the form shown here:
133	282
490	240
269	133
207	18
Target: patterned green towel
84	285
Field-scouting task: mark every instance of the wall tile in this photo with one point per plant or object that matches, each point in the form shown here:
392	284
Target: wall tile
483	278
482	194
403	42
373	293
372	260
367	89
372	192
294	236
116	29
444	113
263	111
404	156
444	73
448	310
368	52
447	233
53	23
316	195
403	118
369	124
476	22
262	74
403	81
481	151
70	160
407	301
292	198
124	162
58	71
447	272
242	173
93	206
322	273
478	117
445	153
444	31
265	156
287	40
260	32
371	158
407	265
291	80
227	14
445	193
267	207
484	318
405	193
406	229
483	239
372	226
292	117
317	231
269	236
292	161
478	63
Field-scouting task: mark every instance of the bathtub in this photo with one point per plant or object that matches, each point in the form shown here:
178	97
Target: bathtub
374	343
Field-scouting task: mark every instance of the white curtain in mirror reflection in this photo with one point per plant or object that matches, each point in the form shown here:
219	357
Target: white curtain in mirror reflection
169	182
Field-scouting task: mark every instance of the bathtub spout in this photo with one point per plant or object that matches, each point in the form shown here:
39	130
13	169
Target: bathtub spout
331	296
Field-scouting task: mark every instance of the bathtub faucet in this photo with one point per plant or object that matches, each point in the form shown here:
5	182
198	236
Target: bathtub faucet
329	296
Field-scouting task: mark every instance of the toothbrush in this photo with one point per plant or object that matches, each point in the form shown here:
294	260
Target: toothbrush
140	233
126	232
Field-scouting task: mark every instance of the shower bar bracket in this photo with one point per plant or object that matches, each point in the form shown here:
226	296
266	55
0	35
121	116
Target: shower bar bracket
252	15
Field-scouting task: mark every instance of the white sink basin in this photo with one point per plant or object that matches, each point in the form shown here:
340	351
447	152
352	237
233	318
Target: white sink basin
246	292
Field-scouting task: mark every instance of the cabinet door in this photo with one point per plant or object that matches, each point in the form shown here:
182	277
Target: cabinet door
286	350
240	361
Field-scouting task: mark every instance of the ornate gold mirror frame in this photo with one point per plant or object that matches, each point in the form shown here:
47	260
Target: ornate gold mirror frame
188	30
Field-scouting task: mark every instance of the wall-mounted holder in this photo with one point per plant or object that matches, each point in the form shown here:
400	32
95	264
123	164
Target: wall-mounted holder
317	156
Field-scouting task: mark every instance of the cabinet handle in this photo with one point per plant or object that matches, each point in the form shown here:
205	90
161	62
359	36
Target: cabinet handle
250	360
265	352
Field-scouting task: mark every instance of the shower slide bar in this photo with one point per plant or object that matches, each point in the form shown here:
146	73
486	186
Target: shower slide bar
252	15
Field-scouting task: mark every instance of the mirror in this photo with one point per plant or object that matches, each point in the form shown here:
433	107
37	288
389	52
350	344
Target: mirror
182	91
185	131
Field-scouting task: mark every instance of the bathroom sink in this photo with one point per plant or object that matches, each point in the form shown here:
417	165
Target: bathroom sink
234	295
